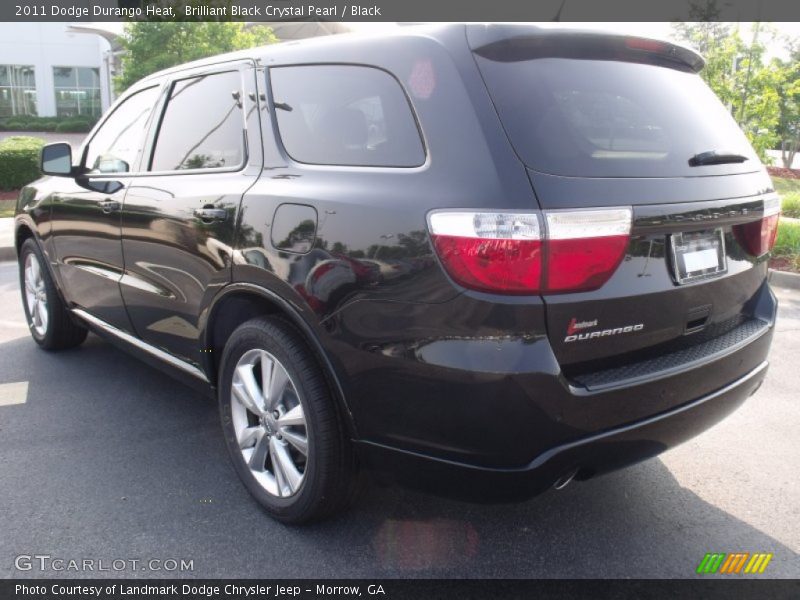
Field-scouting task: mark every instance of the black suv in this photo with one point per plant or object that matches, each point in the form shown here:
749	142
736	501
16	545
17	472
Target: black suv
486	259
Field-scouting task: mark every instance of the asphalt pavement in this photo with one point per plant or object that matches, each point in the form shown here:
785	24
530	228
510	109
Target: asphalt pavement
103	458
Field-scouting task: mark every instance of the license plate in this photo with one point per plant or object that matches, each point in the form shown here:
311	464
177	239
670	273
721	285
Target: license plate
698	255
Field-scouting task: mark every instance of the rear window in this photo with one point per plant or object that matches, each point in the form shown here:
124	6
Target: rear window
345	115
604	118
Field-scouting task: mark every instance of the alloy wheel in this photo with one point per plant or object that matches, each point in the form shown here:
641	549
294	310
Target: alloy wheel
36	295
269	423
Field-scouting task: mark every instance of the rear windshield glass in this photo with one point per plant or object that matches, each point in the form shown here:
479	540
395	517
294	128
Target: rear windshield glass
602	118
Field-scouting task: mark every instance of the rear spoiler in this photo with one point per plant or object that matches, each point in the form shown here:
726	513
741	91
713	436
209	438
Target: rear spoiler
511	43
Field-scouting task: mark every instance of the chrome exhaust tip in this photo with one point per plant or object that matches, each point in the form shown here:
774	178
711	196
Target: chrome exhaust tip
564	480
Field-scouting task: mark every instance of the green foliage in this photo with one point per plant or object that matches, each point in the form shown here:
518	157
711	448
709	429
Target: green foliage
19	161
737	72
788	242
74	125
786	186
154	45
787	88
30	123
790	205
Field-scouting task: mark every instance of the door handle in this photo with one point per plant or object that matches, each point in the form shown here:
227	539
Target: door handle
110	206
209	213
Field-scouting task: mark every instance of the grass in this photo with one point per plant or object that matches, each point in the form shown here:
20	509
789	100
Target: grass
789	190
7	208
790	205
786	186
788	241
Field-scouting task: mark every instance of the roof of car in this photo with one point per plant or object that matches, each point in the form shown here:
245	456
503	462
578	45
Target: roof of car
431	31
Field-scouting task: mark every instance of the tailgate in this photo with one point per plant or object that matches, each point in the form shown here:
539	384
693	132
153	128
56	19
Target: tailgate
645	309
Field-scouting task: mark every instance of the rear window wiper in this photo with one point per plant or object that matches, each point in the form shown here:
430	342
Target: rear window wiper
716	157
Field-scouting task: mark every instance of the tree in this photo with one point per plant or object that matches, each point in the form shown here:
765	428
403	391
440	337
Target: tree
736	72
787	87
150	46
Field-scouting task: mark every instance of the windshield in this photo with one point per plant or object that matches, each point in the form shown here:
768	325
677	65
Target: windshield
605	118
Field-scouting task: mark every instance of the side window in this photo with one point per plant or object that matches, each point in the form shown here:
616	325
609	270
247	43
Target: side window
203	126
116	146
345	115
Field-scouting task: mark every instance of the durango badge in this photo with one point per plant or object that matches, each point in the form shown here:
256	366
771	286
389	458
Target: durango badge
575	326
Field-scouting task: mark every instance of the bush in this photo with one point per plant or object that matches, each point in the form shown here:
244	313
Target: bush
19	161
74	126
78	124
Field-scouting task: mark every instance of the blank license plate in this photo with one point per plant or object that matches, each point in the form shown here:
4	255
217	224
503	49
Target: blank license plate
698	255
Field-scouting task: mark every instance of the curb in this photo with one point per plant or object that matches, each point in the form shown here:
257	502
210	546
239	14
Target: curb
9	253
782	279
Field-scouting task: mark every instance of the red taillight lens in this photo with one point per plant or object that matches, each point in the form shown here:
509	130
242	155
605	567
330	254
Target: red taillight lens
758	238
510	266
490	252
507	252
585	247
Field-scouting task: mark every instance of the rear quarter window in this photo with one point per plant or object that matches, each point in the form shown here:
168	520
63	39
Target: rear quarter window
345	115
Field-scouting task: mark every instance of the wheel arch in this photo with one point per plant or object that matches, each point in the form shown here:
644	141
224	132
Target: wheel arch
240	302
23	232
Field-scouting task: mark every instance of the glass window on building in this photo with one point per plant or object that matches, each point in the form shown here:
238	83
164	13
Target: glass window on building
17	91
77	91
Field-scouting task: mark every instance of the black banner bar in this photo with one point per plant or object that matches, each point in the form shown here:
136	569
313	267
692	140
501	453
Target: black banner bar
396	589
402	10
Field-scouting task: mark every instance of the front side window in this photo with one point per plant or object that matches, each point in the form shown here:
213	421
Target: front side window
345	115
203	126
117	145
17	90
77	91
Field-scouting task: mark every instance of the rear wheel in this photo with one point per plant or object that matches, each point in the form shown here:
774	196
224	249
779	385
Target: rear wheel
281	425
49	320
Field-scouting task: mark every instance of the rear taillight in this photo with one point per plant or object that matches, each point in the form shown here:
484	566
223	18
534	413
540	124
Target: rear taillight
585	247
758	238
490	252
510	253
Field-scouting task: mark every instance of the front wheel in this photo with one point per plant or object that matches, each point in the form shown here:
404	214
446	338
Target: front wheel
281	424
48	318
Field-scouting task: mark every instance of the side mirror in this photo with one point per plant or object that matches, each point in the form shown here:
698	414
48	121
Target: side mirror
57	159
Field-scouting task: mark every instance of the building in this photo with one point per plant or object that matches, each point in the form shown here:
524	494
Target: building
67	69
48	70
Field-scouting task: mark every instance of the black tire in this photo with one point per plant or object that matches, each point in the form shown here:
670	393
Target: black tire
61	331
330	475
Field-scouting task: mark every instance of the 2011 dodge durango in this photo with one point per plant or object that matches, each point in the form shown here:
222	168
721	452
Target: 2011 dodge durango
486	259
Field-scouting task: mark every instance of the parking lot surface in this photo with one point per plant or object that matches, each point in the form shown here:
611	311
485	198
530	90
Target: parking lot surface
104	458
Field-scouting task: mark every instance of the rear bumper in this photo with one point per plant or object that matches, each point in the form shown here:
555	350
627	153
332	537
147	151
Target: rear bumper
588	456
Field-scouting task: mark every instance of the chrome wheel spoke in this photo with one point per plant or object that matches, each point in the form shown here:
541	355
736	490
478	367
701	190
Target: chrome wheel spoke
258	458
250	436
277	470
35	274
246	389
282	461
298	441
294	417
278	380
